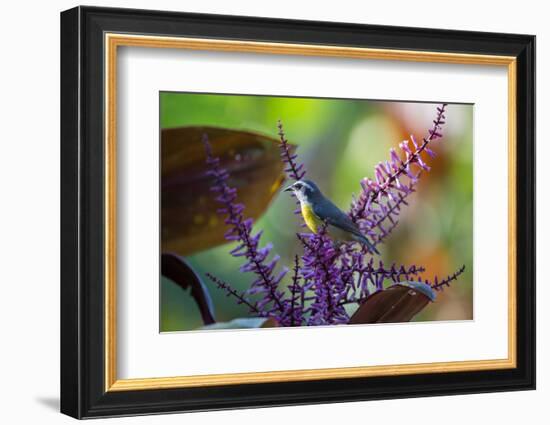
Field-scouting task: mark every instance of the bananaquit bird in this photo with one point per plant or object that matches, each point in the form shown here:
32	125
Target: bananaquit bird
316	210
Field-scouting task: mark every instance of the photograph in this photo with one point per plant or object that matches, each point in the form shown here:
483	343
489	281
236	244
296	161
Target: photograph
287	210
299	211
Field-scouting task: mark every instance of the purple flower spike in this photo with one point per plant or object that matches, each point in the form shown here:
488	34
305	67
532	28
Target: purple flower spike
321	270
440	285
240	230
381	202
327	277
293	169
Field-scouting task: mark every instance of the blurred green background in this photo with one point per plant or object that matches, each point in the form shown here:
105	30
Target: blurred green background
340	141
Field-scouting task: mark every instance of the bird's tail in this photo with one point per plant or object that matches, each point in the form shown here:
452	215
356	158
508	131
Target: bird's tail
363	239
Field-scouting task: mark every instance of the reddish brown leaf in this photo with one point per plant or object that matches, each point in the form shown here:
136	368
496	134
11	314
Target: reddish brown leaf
398	303
189	222
270	323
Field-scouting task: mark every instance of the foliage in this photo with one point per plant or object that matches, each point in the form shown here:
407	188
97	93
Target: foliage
327	276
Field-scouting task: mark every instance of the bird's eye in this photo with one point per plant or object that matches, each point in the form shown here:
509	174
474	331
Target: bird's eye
298	186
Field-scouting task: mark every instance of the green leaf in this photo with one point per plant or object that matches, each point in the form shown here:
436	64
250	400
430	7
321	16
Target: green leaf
421	287
243	323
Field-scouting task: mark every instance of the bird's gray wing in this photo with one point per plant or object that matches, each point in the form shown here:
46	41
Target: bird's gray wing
334	216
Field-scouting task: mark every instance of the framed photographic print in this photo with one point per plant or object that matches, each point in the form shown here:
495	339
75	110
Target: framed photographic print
263	212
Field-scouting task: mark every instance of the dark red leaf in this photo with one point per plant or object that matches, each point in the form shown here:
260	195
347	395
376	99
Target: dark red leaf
189	218
398	303
178	271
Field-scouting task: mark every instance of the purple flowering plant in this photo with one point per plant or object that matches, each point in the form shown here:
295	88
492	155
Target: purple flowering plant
326	278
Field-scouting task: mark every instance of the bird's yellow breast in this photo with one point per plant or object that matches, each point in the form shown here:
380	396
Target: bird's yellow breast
312	221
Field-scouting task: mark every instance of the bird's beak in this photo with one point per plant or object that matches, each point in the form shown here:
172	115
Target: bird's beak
289	188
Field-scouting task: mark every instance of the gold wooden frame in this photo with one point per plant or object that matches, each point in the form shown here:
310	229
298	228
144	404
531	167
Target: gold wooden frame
113	41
